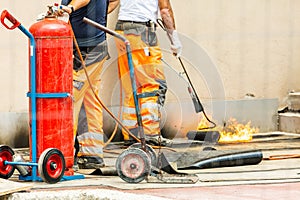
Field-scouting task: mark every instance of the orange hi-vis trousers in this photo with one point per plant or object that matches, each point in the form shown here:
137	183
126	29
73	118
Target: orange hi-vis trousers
149	75
88	118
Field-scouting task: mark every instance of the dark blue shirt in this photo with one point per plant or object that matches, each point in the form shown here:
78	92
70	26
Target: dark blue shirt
86	34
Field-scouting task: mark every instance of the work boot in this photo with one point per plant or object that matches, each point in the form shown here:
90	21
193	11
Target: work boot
90	162
154	140
75	166
131	141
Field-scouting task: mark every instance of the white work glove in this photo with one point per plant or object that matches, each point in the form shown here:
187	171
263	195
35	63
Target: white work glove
62	14
41	16
64	17
176	45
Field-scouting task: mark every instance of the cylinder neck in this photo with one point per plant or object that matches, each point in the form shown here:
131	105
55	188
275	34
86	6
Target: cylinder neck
50	13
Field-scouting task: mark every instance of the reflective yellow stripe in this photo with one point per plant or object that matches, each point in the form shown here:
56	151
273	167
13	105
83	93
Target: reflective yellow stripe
149	112
91	151
153	118
129	123
149	105
91	144
129	110
91	136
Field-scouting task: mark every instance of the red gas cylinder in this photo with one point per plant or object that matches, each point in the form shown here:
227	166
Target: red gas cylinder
54	64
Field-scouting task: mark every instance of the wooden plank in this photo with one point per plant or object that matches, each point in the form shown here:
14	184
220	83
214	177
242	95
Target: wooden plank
8	187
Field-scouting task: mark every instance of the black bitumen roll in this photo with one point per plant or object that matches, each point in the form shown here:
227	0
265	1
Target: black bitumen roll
235	159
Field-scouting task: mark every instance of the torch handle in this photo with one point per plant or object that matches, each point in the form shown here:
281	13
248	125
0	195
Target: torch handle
6	15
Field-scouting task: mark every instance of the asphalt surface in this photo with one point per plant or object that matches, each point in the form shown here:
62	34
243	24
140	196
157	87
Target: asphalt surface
268	180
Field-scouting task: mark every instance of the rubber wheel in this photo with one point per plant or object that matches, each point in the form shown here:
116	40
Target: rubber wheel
149	150
133	165
6	154
51	165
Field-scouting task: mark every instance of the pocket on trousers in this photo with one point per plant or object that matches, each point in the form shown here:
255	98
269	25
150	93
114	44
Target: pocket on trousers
149	37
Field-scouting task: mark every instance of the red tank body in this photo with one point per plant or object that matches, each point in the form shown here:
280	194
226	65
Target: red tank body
54	71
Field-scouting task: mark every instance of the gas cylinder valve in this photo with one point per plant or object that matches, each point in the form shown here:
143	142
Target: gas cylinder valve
51	12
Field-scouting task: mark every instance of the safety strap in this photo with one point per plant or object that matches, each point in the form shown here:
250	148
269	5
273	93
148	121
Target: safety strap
148	94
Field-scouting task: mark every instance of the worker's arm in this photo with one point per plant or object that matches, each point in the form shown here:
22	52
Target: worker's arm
166	13
76	4
167	16
113	4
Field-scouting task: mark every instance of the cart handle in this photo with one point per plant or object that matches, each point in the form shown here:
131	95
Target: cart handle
103	28
6	15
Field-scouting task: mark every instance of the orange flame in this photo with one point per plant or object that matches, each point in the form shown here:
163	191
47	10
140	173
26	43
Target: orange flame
236	132
233	131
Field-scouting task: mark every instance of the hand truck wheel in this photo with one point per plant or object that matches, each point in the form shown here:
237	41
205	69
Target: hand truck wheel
149	150
133	165
51	165
6	154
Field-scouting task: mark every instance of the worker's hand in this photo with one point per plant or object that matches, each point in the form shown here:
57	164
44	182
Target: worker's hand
69	9
62	13
176	46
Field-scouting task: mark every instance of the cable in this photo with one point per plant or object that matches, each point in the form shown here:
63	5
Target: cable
198	100
282	156
194	94
200	108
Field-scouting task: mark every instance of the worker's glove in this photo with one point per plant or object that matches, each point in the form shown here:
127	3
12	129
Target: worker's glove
61	13
176	46
41	16
64	17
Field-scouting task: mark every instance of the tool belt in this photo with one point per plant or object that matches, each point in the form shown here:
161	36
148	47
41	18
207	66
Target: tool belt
121	23
147	30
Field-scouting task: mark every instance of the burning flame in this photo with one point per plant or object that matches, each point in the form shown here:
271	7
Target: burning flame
236	132
232	131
